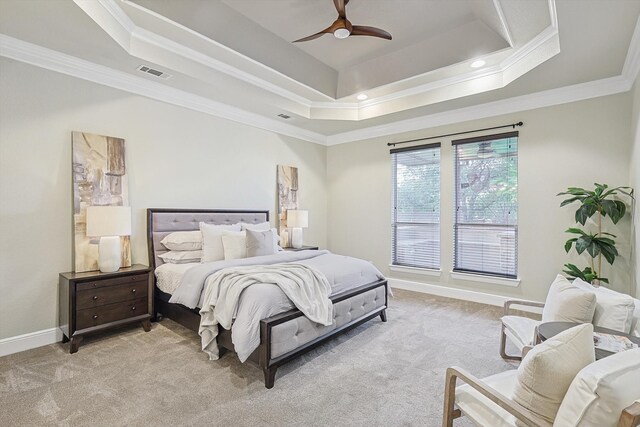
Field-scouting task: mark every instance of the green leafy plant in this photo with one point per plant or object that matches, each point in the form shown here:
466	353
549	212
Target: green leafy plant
597	245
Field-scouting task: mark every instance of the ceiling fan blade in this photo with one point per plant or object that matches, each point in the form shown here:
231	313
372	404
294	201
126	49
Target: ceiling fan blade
362	30
340	4
314	36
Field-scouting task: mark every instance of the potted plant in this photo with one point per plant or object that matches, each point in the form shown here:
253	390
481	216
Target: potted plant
598	244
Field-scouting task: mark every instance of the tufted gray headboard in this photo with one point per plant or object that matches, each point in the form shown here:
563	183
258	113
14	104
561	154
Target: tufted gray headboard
163	221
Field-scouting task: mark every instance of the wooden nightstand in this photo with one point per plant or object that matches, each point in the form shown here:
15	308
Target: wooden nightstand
93	301
303	248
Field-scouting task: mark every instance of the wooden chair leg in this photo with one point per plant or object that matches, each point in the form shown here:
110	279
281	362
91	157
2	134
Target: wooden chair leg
449	412
630	416
503	345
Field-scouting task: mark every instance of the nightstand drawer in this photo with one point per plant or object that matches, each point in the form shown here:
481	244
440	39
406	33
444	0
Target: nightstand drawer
90	317
106	295
110	282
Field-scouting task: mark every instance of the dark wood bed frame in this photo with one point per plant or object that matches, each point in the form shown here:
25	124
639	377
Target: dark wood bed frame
191	318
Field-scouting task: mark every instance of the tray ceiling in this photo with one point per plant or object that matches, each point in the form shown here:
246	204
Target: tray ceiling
427	62
237	54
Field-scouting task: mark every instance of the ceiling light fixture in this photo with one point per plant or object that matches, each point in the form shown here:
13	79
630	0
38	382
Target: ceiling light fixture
362	97
341	33
478	63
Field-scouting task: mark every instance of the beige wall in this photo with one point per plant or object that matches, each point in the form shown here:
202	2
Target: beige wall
180	158
554	146
175	158
634	178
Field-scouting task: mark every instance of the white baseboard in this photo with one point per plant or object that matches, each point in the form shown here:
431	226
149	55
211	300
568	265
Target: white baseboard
456	293
28	341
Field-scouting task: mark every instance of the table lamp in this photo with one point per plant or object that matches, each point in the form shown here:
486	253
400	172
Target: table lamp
109	223
297	220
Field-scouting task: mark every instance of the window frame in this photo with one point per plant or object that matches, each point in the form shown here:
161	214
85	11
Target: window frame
456	195
395	264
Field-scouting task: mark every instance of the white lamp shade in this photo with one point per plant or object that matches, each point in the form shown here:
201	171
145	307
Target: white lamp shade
297	219
108	221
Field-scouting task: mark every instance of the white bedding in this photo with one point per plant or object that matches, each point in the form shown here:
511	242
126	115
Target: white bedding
169	276
261	300
306	287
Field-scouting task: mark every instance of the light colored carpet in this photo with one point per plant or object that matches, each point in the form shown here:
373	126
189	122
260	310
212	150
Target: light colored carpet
389	374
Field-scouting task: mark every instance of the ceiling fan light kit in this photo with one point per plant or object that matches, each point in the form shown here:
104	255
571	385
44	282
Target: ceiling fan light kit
342	33
342	27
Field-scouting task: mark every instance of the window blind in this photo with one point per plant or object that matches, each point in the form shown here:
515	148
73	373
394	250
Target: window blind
486	205
416	206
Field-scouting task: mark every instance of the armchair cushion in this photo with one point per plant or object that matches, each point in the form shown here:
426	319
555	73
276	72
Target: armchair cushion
480	409
521	330
614	310
600	391
568	303
546	372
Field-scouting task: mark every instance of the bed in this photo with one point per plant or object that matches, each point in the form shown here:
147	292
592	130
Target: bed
282	336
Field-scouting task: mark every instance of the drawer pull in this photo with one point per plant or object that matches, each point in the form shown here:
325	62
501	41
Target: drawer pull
95	297
95	316
133	308
133	291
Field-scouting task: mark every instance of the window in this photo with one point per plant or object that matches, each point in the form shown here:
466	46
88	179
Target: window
416	206
486	205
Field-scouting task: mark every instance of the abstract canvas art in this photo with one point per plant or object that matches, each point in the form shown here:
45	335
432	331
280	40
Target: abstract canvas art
99	179
287	199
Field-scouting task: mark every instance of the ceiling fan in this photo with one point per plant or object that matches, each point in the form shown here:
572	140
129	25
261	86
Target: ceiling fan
342	28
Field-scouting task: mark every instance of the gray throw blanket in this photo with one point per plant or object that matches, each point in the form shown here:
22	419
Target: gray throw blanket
306	287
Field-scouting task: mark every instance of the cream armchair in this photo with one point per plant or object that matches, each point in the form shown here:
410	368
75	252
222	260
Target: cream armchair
565	302
604	394
521	331
576	302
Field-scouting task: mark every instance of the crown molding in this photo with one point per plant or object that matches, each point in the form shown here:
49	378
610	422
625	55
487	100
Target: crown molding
56	61
503	20
66	64
632	62
547	98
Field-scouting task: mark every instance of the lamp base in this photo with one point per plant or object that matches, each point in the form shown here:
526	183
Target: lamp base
296	237
109	255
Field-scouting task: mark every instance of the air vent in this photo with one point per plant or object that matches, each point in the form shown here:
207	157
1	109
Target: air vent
154	72
284	116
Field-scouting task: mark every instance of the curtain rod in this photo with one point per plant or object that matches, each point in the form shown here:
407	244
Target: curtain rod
512	125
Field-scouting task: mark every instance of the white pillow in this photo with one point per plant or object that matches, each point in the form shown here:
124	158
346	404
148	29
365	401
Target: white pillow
260	243
546	372
600	391
235	244
262	226
567	303
183	241
614	310
212	249
181	257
